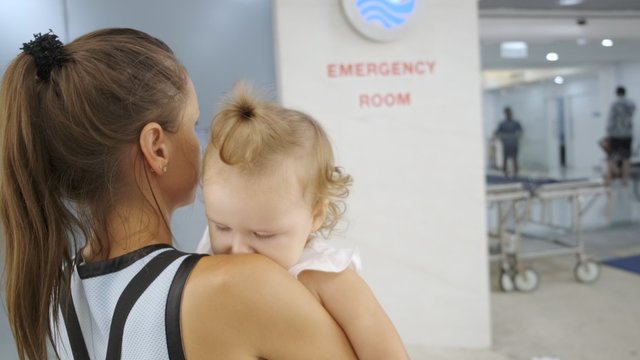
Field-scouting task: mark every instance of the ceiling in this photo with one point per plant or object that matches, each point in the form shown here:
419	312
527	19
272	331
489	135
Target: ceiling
573	32
606	6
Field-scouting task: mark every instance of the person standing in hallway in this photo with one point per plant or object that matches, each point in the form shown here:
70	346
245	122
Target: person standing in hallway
509	132
620	136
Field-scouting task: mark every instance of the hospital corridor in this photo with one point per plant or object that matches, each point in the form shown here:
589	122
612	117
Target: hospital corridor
493	148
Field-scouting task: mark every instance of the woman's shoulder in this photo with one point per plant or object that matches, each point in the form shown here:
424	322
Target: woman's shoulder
229	301
232	281
224	273
221	292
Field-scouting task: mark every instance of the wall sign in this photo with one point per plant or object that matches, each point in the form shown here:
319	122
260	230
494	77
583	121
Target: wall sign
381	70
380	20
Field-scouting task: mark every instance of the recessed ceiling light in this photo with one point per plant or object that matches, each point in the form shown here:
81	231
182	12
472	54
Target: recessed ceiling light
607	42
514	49
558	80
552	56
570	2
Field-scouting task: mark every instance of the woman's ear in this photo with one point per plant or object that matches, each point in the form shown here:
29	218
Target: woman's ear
154	146
319	213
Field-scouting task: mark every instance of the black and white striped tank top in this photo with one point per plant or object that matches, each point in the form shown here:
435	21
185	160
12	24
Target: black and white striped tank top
127	307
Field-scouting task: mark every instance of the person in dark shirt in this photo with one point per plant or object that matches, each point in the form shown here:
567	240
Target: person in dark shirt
509	132
620	136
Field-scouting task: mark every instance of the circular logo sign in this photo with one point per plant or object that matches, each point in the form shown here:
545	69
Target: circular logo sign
380	20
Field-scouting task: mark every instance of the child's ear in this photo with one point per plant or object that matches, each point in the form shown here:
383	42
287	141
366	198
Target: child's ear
319	213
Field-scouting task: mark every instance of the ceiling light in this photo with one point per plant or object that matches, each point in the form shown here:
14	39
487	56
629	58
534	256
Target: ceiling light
552	56
607	42
514	49
570	2
558	80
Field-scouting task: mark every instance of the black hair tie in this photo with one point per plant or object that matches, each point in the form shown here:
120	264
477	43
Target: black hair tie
47	51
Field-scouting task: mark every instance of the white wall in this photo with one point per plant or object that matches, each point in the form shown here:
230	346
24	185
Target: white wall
19	20
417	206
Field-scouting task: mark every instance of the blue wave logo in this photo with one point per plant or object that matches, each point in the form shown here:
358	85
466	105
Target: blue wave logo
389	13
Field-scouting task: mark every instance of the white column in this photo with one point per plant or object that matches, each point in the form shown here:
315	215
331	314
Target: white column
405	120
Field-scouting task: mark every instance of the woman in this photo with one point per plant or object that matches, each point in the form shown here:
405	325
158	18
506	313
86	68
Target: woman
99	147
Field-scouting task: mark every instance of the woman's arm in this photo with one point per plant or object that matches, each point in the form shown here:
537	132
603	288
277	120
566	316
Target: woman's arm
247	307
353	305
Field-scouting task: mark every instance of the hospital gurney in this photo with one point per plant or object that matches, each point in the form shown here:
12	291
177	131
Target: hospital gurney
518	196
512	204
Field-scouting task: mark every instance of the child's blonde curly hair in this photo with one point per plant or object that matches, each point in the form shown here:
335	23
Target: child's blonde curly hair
254	135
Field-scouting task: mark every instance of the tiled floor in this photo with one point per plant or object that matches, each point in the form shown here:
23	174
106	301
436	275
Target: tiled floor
568	320
564	319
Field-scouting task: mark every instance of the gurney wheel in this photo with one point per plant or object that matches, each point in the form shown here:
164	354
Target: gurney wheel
506	282
587	271
527	280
